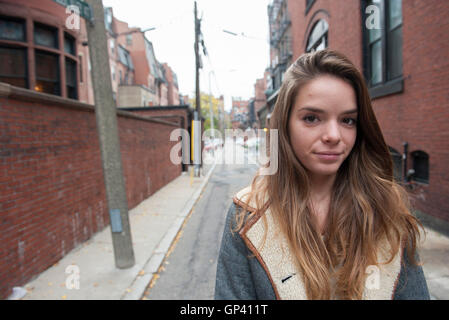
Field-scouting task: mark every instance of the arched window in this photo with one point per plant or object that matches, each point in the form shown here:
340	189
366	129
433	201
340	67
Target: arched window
421	166
397	163
318	37
309	4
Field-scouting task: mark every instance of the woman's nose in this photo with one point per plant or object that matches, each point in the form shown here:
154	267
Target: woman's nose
331	133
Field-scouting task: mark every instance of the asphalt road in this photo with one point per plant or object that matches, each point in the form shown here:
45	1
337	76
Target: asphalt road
189	270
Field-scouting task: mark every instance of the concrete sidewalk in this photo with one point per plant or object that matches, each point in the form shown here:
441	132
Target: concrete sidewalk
154	225
434	254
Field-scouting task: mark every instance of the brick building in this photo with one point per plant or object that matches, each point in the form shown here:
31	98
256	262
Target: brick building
142	81
52	194
258	112
402	48
38	51
172	85
240	113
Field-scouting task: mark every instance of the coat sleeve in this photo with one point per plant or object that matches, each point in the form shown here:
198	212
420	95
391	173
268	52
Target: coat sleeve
234	278
412	284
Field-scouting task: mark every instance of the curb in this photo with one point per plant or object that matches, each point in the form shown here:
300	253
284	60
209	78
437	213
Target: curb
140	283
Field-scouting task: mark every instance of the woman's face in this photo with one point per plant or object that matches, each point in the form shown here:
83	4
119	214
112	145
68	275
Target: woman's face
322	122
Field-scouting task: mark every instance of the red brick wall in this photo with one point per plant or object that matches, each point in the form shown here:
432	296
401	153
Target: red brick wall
344	19
171	115
52	194
419	115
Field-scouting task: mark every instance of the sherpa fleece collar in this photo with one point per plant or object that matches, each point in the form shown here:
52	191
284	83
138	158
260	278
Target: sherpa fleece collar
276	258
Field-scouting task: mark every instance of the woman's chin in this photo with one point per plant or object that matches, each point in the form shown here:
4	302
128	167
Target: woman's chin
328	171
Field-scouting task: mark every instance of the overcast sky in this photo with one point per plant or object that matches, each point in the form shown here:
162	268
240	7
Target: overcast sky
237	60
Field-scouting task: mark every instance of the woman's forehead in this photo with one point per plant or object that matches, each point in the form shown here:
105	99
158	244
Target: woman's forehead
326	94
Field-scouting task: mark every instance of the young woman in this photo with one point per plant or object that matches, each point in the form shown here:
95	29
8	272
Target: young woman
331	223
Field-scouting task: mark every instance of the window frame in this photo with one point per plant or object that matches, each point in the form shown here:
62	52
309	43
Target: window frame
58	81
19	45
18	20
75	69
324	36
69	37
129	40
53	29
26	75
386	86
31	47
309	5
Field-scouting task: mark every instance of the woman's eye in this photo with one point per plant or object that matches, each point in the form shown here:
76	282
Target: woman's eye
309	119
350	121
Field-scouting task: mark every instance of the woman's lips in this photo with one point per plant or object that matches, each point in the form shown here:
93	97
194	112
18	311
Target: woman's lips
328	157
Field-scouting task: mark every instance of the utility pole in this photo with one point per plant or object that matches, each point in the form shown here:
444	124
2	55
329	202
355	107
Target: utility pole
211	116
106	116
211	112
197	115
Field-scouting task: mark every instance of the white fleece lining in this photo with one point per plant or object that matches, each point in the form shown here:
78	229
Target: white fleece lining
280	264
278	260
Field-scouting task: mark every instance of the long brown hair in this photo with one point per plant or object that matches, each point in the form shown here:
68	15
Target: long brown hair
367	205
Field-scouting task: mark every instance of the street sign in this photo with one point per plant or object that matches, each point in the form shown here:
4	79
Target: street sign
116	220
85	10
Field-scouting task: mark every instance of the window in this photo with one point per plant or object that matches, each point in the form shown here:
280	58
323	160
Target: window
394	37
12	29
46	63
70	78
69	44
382	33
318	37
108	19
124	57
13	66
47	72
309	4
48	53
45	36
421	166
13	59
112	46
129	39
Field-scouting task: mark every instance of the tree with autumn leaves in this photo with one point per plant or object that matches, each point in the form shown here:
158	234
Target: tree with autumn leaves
217	110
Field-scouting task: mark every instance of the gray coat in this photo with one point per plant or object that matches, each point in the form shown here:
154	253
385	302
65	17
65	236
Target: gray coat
243	275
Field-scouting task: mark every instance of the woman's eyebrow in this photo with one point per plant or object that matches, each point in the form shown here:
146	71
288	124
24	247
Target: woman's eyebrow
317	110
350	111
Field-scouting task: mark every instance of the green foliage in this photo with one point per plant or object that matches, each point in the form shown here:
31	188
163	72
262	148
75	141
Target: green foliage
206	100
